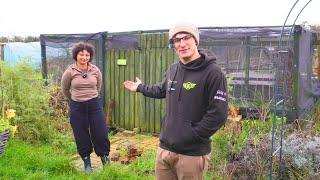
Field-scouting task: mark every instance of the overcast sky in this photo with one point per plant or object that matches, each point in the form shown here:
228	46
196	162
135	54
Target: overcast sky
34	17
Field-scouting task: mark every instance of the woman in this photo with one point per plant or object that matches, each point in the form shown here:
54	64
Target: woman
81	84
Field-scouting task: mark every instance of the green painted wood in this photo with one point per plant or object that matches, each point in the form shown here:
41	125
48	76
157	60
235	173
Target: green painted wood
131	94
165	40
121	91
133	109
149	41
106	79
158	77
141	74
161	41
143	41
112	83
164	67
116	89
143	100
137	99
152	75
126	101
107	84
154	40
148	81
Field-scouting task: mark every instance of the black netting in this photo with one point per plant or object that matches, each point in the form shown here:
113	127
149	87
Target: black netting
130	41
56	50
241	32
56	53
248	55
305	95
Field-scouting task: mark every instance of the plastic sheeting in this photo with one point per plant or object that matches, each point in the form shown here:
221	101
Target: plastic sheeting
19	51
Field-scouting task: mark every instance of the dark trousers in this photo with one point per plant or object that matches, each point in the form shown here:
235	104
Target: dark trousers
89	127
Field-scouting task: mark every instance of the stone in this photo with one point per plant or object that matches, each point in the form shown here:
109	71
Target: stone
128	133
115	157
136	130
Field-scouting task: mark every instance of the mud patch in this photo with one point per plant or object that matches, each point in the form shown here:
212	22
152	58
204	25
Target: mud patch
124	149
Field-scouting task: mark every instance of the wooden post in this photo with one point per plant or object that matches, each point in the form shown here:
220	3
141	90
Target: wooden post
247	67
110	110
2	52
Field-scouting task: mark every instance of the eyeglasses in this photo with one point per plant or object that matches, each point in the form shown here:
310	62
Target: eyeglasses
177	41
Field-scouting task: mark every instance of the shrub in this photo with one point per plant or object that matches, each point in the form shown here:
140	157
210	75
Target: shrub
22	90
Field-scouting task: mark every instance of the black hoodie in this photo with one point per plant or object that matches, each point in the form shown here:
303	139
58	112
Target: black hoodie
196	105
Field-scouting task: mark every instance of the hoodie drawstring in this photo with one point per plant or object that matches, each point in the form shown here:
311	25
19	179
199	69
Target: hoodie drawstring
180	88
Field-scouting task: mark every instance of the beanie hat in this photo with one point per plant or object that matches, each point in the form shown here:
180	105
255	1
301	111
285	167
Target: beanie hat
185	27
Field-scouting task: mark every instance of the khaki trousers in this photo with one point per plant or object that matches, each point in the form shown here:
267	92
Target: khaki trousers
173	166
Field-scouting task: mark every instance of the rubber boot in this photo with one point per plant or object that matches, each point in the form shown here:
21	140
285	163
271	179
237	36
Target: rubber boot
87	164
105	160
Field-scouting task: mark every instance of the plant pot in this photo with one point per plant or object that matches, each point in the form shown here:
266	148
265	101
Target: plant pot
4	138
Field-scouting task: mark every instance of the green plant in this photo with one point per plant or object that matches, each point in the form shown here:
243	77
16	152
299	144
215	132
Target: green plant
238	142
264	107
24	160
220	153
5	122
144	165
313	123
230	90
22	90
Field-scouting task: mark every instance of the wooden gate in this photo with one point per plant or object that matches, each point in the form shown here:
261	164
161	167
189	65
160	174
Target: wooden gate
133	110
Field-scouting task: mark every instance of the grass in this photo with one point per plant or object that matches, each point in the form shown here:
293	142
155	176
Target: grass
23	160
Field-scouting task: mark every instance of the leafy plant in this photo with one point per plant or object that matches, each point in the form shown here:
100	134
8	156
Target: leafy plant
230	90
22	90
313	123
6	124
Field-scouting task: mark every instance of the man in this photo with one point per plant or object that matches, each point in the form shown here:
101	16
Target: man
196	107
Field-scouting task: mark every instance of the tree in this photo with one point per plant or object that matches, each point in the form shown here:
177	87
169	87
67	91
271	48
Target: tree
31	39
17	39
4	39
315	28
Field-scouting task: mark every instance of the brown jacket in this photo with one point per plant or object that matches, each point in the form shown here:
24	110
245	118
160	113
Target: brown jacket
80	86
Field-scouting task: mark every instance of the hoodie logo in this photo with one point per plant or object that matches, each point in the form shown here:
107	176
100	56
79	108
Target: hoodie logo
189	85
